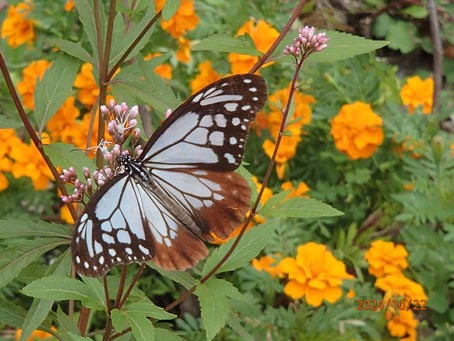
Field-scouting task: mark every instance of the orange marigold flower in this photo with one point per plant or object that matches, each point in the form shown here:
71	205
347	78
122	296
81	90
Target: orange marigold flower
386	258
357	130
7	140
268	264
26	87
69	5
65	215
417	92
62	125
351	294
263	35
184	52
301	114
29	163
206	76
184	19
396	284
402	324
286	151
36	335
314	274
16	27
164	70
299	191
89	89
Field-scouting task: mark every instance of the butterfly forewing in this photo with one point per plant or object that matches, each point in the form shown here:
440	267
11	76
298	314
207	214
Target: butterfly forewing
182	188
209	130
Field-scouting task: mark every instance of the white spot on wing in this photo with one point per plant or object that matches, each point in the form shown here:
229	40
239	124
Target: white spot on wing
220	120
98	247
123	237
198	136
236	121
108	238
229	158
217	138
253	89
231	106
206	121
247	80
233	140
221	98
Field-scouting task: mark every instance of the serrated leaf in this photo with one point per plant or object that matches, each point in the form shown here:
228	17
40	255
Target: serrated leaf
40	307
57	288
85	11
11	314
300	208
54	88
118	320
170	8
167	335
66	155
97	297
142	328
343	46
183	278
252	242
14	228
67	327
224	43
140	82
73	49
214	306
149	309
16	258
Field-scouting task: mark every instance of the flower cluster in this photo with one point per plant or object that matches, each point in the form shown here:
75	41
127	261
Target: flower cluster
386	262
121	126
417	92
16	26
307	42
357	130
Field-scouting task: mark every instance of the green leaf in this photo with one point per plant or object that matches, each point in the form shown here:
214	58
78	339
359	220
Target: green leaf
67	327
14	228
142	328
402	36
16	258
224	43
170	8
11	314
97	297
41	307
54	88
6	123
121	41
67	155
57	288
181	277
235	324
85	11
149	309
73	49
140	82
214	305
167	335
343	46
300	208
417	12
252	242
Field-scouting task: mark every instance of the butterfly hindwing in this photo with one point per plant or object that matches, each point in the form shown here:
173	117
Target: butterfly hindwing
136	229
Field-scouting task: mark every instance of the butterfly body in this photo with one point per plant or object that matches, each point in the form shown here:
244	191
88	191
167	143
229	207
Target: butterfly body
182	189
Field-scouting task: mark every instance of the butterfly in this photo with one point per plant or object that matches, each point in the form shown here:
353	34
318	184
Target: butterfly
164	205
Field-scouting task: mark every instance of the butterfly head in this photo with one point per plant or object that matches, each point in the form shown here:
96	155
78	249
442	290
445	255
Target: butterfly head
124	164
